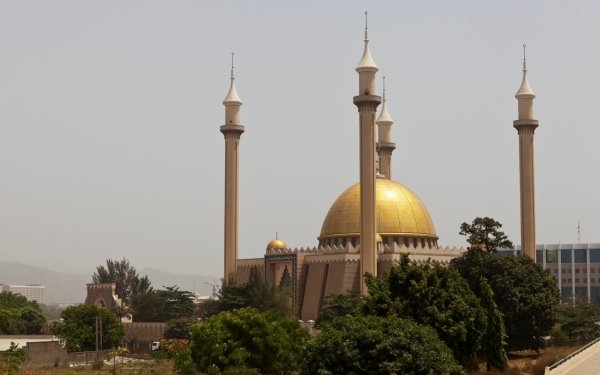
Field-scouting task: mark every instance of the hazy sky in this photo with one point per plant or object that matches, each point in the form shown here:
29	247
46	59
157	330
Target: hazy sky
110	113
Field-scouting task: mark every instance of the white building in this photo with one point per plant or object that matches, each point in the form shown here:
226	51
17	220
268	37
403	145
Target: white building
32	292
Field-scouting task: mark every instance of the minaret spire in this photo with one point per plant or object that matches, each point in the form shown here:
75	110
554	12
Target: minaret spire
367	103
385	146
526	126
232	131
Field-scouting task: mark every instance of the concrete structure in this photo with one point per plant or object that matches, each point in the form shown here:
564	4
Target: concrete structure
104	295
585	361
525	126
575	266
367	102
385	146
32	292
232	130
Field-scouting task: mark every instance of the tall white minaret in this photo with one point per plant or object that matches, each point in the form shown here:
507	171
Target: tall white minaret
367	102
385	146
526	126
232	130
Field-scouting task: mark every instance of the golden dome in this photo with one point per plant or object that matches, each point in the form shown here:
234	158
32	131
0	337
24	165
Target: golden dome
399	213
277	244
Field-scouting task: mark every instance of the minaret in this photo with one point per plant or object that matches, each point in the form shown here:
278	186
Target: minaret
525	126
385	146
232	130
367	103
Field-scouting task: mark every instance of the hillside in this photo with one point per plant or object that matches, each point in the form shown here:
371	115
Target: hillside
63	287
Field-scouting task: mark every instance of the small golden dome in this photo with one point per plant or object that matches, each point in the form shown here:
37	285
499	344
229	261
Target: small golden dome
378	238
277	244
399	213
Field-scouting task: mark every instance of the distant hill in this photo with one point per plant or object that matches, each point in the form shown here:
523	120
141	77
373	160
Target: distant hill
63	287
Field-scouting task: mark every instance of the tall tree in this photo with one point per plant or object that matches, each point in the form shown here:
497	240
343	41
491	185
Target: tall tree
485	234
435	296
125	276
173	304
526	295
579	322
495	335
377	345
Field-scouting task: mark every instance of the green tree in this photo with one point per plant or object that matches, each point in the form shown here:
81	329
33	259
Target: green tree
78	329
173	303
33	320
10	300
136	291
495	335
485	234
12	359
179	328
435	296
256	293
377	345
579	322
247	341
526	295
338	305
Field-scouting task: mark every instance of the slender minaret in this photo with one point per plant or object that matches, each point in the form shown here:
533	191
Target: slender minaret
525	126
367	103
232	130
385	146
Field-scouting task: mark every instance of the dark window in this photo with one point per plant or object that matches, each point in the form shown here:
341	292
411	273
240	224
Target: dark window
580	256
594	255
565	255
552	256
595	294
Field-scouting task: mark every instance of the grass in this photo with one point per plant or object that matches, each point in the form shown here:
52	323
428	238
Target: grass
148	367
531	362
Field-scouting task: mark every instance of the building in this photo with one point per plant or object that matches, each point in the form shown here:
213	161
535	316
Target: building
32	292
372	223
575	266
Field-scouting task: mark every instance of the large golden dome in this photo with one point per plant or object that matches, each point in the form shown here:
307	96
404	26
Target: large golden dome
401	217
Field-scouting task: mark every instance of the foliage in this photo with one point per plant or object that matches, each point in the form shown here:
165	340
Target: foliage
183	363
494	340
133	289
338	305
21	321
178	328
256	294
13	358
78	329
173	304
18	316
579	322
377	345
485	234
435	296
526	295
10	300
247	341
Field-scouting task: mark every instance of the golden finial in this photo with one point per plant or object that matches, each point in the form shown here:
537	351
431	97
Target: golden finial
524	57
232	54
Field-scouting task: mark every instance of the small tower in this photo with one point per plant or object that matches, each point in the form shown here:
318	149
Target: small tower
232	130
385	146
526	126
367	103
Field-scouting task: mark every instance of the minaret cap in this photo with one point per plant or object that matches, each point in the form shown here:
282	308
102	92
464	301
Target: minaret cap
384	116
525	91
366	62
232	96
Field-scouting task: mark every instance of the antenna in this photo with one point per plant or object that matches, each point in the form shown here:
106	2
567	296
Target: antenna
232	54
578	232
524	56
276	235
366	26
383	87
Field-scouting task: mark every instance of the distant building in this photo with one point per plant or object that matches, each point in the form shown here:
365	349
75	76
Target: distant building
32	292
575	266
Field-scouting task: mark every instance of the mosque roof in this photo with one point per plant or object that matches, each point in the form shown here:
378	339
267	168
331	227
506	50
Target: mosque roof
399	212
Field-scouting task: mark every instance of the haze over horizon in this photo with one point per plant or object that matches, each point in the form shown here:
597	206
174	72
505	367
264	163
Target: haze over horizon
110	115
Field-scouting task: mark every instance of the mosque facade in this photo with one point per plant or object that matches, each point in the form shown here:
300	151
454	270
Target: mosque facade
372	223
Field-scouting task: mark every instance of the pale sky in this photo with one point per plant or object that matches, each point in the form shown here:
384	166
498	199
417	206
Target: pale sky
110	113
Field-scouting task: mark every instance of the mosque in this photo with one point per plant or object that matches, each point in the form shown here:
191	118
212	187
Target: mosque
372	222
